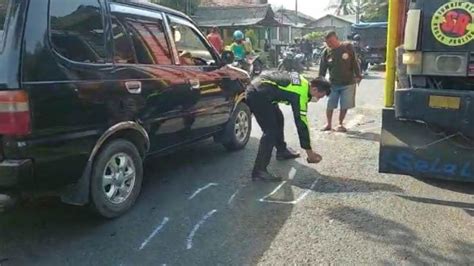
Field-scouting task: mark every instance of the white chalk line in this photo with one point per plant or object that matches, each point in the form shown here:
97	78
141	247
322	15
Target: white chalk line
300	198
154	233
189	239
231	199
274	191
199	190
292	173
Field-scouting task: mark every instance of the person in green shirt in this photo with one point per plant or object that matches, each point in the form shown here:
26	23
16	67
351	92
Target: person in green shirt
238	46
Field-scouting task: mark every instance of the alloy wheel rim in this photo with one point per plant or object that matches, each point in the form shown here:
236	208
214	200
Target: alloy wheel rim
118	179
241	126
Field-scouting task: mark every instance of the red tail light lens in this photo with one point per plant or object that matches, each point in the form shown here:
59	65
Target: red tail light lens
14	113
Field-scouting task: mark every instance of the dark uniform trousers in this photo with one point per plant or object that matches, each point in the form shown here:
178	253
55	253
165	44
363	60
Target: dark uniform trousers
271	121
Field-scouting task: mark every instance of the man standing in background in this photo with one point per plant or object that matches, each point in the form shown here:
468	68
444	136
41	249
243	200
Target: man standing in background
216	40
344	71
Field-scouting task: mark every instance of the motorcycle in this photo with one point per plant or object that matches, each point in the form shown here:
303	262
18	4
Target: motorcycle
252	64
317	54
292	61
363	62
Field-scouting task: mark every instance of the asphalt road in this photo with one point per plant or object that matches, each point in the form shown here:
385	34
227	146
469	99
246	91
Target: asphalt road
198	207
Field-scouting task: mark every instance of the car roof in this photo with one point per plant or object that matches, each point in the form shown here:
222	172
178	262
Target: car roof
148	5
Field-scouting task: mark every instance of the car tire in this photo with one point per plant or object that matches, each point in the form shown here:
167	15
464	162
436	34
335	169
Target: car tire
116	179
238	129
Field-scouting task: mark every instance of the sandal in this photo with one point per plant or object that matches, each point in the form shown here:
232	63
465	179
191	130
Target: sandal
326	128
341	129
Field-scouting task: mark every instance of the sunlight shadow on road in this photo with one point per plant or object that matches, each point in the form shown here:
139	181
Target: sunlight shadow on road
369	136
329	184
404	240
51	233
467	207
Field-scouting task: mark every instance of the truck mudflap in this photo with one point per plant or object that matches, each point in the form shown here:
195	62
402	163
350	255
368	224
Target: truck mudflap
412	148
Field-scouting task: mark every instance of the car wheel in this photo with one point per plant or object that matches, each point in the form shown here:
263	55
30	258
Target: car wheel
116	179
237	132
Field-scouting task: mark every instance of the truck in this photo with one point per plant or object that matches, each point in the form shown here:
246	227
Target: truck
428	119
372	40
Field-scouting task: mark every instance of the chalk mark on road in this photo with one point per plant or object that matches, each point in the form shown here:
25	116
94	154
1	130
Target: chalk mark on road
199	190
231	199
292	173
274	191
154	233
300	198
189	239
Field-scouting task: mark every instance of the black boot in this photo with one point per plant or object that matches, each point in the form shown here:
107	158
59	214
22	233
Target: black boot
264	176
286	154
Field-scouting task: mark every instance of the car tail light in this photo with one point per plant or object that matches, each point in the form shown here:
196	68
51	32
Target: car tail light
14	113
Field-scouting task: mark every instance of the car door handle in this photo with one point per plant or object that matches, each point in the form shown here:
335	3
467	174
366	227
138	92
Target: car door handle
195	84
134	87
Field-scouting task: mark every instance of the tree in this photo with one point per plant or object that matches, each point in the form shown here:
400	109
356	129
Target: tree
371	10
342	7
375	10
314	36
186	6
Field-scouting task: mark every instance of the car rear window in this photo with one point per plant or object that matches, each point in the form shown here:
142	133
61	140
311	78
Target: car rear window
4	7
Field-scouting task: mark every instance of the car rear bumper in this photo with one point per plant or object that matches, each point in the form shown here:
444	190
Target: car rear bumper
14	172
452	110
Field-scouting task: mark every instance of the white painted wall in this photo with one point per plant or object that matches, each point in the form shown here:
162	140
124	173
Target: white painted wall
342	28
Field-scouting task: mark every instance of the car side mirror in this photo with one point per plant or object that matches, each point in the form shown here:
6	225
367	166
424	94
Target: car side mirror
227	57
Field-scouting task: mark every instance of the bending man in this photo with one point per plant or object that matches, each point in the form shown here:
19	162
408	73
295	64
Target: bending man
283	87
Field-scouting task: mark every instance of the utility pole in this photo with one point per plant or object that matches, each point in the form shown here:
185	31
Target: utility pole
296	12
296	16
187	8
358	12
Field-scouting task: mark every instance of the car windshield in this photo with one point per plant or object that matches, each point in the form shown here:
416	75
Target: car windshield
4	5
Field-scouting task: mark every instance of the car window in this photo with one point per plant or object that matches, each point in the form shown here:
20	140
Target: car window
4	7
77	30
123	47
147	37
191	47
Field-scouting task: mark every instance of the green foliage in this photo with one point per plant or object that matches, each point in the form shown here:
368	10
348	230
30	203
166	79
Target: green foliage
314	36
252	36
343	7
371	10
375	10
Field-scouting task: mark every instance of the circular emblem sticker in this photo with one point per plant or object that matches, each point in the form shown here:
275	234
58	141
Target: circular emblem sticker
453	23
345	56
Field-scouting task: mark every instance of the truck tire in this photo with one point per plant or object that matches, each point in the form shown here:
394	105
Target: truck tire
116	180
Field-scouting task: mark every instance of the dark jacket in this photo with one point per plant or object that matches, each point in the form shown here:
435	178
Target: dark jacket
342	64
288	88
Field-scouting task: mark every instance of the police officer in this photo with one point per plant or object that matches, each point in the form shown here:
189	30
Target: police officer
282	87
